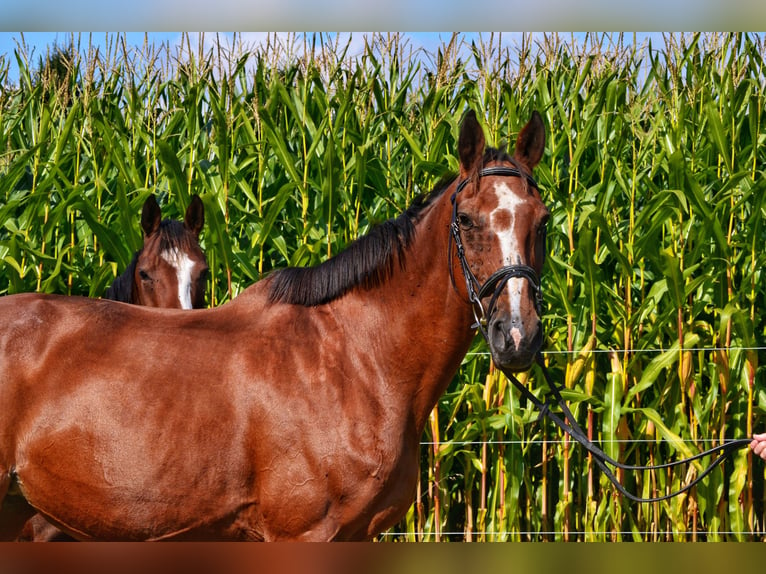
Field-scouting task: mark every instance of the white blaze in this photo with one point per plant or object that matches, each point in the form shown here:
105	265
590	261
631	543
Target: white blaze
507	202
183	266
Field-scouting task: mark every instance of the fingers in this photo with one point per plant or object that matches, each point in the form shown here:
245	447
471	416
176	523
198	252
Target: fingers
758	445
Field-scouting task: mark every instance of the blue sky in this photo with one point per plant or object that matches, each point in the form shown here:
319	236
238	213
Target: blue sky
38	43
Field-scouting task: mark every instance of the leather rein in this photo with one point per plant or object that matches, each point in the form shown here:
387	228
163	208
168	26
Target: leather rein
566	420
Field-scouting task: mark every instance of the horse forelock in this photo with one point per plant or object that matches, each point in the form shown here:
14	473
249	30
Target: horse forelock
172	235
496	154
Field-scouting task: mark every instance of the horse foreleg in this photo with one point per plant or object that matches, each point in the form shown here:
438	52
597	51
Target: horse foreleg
14	509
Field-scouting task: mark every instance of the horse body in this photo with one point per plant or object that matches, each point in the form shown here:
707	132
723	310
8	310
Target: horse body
263	419
184	429
168	271
77	443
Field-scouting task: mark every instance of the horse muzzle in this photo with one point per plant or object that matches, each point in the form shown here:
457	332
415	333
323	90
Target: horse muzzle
513	346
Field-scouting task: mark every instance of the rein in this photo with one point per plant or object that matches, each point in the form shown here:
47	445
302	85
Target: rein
572	428
494	285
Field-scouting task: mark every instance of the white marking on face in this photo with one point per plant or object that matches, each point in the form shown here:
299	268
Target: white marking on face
183	266
507	203
516	336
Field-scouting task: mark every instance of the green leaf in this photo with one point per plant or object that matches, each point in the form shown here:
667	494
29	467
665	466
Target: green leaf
717	134
659	363
672	438
611	415
173	171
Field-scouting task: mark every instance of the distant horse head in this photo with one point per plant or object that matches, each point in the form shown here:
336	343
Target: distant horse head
498	225
170	270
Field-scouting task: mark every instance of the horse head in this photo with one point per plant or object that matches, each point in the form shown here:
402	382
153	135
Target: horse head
498	226
171	269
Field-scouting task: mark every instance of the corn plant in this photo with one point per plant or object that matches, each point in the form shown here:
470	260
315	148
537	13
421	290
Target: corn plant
653	174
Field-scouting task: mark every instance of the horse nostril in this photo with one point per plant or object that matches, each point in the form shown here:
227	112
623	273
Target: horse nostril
498	335
506	334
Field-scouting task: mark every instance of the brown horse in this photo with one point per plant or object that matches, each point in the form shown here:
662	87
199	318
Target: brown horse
170	269
293	412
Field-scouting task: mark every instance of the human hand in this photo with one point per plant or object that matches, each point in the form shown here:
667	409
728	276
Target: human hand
758	445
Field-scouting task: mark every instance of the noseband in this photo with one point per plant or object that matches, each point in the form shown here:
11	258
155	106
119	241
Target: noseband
496	282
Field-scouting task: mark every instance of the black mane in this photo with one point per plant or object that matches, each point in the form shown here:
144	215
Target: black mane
122	288
366	262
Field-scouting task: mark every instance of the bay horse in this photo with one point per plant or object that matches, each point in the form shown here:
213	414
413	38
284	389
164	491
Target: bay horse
170	269
292	412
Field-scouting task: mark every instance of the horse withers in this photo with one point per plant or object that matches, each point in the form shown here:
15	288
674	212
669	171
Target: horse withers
294	411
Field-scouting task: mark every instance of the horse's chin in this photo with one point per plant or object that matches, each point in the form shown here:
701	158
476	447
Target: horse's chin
516	362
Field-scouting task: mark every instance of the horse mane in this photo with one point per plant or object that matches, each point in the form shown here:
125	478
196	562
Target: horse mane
172	235
366	262
122	287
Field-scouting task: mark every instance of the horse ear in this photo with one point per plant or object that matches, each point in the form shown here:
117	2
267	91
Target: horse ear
150	216
195	216
470	144
531	141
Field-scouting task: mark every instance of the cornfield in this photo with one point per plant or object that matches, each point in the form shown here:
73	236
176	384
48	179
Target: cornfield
653	283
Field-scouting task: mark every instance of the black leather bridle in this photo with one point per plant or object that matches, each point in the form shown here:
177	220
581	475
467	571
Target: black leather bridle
495	284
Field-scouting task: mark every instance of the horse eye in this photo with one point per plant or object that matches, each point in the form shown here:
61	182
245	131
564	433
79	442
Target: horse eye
542	228
464	221
144	275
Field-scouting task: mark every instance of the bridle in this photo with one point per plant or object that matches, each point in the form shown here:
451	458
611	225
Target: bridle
495	284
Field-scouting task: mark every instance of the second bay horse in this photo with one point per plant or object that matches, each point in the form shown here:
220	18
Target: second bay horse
293	412
170	269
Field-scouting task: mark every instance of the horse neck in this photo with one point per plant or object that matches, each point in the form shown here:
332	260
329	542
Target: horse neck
427	322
